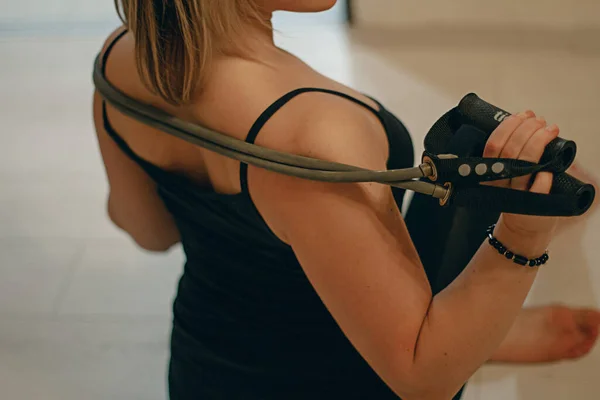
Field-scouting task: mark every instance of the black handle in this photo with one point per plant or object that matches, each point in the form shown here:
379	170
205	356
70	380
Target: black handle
560	153
569	197
579	195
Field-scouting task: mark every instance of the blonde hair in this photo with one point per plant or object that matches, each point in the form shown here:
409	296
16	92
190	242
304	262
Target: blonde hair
176	40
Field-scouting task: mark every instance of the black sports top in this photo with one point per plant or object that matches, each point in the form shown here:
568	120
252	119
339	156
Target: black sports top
247	322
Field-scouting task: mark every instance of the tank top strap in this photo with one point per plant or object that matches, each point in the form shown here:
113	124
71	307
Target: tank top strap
109	49
112	133
277	105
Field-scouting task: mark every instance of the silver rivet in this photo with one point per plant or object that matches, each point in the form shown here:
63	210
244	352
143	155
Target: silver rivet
464	170
498	167
481	169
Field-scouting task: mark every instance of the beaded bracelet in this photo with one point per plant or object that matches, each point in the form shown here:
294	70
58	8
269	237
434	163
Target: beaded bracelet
517	259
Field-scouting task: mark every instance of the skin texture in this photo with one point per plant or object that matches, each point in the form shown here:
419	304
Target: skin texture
297	6
362	263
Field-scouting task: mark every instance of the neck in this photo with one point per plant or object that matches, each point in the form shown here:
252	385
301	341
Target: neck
255	41
259	34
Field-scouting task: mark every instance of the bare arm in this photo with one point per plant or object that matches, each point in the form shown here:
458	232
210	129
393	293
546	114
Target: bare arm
133	203
354	247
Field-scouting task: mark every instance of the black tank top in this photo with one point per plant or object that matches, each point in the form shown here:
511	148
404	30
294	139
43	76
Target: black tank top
247	323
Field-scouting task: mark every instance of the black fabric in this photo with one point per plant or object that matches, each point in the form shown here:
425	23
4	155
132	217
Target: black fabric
247	323
448	169
568	197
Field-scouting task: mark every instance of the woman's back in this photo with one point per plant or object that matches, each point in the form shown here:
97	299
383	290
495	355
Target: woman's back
246	318
236	94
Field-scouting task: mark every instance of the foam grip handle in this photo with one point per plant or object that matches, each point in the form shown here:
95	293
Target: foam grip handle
580	195
559	154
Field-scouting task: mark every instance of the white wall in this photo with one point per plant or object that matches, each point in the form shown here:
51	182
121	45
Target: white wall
522	13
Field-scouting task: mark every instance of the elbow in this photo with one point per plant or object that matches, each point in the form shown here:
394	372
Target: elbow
413	382
146	239
432	394
155	247
430	390
151	243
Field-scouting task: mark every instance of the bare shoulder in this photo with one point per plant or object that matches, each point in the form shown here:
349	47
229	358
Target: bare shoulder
119	62
121	68
112	37
328	128
163	150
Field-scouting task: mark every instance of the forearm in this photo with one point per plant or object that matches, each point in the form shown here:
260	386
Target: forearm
467	321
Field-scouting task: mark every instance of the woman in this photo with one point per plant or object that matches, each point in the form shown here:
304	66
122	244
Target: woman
304	290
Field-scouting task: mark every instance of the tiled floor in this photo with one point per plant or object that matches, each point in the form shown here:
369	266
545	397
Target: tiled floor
85	315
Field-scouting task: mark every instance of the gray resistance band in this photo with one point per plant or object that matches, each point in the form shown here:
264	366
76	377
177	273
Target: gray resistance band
569	197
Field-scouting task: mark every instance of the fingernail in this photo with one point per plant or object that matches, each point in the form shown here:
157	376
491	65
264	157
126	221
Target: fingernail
541	119
526	114
552	128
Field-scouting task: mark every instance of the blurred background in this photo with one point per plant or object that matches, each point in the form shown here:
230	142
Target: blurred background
84	314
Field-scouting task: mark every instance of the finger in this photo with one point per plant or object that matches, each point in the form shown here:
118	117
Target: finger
501	136
521	135
517	141
503	132
533	151
542	183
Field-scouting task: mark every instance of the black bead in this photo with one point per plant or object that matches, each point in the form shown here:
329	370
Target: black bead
517	259
520	260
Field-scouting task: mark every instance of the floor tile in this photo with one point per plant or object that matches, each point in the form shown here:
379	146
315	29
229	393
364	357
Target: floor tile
553	383
473	389
116	278
66	360
65	209
33	274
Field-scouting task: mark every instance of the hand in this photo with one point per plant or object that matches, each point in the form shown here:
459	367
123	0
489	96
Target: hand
524	137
